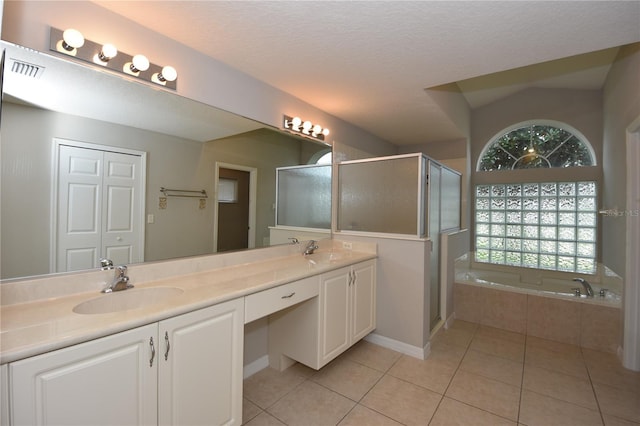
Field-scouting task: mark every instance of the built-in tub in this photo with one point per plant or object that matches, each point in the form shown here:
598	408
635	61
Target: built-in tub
541	303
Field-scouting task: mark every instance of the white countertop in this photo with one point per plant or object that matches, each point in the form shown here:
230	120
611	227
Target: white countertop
38	326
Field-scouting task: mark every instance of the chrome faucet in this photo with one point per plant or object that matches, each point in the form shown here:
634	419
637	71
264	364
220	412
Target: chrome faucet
311	246
120	281
586	285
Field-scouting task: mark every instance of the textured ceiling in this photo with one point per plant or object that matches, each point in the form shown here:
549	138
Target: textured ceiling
369	63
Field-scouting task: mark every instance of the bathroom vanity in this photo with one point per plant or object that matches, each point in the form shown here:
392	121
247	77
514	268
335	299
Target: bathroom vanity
177	359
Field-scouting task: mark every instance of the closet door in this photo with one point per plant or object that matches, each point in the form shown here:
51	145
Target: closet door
79	229
121	209
100	197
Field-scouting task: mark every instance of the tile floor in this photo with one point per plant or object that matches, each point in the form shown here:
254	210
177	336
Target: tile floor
475	375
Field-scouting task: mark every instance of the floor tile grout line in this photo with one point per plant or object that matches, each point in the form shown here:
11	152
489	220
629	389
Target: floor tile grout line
593	388
444	392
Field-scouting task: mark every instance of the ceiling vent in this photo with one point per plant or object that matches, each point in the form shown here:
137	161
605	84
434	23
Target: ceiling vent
26	69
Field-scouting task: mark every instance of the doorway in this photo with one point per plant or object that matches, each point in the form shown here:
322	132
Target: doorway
235	208
98	204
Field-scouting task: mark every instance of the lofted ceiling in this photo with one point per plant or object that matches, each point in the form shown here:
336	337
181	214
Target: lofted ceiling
371	63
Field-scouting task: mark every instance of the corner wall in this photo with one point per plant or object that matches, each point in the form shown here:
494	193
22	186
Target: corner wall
621	108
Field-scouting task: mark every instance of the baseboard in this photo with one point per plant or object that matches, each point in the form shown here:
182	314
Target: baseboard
255	366
396	345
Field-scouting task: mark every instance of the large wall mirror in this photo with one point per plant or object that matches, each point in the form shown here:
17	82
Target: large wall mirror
53	109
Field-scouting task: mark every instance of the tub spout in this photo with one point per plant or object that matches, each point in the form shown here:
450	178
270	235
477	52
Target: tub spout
586	285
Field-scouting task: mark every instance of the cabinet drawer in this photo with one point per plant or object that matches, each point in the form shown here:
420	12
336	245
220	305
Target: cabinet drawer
266	302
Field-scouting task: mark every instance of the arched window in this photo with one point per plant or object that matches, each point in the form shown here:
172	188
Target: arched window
549	224
536	146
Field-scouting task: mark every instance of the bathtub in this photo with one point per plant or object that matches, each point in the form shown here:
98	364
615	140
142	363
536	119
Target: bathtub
606	285
541	304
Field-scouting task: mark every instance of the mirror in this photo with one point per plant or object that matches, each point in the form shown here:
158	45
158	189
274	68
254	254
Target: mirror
185	143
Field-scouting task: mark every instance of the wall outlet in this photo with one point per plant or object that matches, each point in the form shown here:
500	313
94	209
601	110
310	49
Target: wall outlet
347	245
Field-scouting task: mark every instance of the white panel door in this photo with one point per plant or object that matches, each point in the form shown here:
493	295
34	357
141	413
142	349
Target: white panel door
200	366
79	232
121	208
108	381
100	200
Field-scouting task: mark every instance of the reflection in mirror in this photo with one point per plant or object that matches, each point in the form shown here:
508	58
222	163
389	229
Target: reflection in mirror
182	141
304	196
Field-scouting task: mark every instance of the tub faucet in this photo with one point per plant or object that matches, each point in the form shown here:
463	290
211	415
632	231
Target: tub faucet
586	285
311	246
120	281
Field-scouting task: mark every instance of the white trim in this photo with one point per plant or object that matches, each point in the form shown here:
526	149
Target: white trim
631	300
398	346
55	157
255	366
253	191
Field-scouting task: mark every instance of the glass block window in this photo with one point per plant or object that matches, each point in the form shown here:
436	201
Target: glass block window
536	146
537	225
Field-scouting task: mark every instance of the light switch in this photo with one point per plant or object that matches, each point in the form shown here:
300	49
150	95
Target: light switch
151	218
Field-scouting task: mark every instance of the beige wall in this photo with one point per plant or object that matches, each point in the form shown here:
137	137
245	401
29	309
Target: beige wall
621	108
27	22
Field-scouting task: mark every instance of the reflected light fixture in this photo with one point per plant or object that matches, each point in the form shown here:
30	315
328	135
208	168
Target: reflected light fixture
72	43
305	128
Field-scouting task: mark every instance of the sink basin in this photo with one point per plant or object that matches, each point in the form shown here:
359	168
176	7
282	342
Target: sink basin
325	257
126	299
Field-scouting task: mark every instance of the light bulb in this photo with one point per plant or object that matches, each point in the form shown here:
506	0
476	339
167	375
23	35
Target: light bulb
316	130
306	126
139	63
295	123
72	39
168	73
325	132
108	51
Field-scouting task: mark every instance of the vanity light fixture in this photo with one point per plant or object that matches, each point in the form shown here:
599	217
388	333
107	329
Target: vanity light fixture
108	52
168	73
72	43
137	64
305	128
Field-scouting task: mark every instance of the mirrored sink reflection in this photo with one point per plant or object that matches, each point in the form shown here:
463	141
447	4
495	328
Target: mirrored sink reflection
126	300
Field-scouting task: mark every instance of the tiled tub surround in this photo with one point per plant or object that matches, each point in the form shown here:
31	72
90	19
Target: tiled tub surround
37	315
544	308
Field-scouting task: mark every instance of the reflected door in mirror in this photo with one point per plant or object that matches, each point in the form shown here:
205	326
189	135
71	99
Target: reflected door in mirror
233	210
97	208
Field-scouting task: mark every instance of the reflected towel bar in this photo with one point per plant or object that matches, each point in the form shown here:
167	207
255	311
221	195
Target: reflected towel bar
184	193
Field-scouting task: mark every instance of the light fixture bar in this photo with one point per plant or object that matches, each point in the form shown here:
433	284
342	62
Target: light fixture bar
304	128
101	55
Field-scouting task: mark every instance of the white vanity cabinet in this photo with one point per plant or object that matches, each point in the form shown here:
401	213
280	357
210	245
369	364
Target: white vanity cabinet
347	308
317	331
183	370
200	366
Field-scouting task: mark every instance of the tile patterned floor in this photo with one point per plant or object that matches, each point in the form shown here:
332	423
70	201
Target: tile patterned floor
475	375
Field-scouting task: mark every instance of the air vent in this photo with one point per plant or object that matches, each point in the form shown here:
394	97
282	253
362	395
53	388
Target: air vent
26	69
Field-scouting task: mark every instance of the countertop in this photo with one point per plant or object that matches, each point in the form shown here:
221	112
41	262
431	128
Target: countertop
36	327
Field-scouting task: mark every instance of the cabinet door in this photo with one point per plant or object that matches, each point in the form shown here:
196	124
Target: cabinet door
200	377
334	302
363	300
108	381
